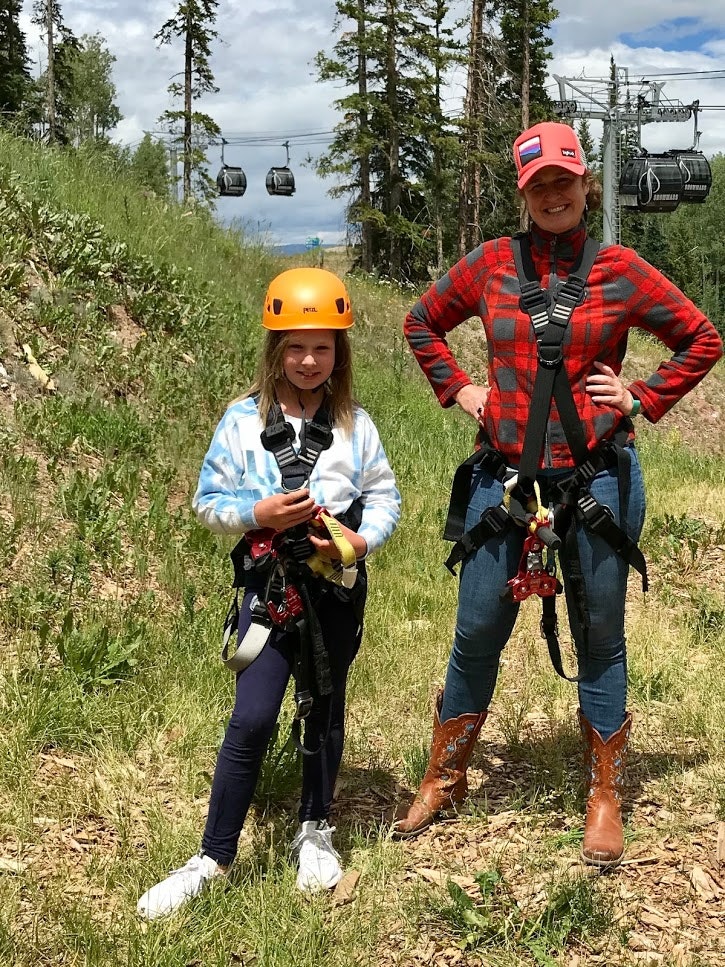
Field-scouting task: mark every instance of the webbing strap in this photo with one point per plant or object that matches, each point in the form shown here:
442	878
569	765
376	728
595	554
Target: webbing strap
295	466
493	523
599	520
311	659
550	324
549	627
487	457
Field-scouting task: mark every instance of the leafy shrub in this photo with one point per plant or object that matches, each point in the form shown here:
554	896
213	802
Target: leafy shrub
96	656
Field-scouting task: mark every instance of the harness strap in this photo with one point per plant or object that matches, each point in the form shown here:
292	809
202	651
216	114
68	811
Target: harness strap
311	659
493	523
599	520
488	458
295	466
549	627
550	325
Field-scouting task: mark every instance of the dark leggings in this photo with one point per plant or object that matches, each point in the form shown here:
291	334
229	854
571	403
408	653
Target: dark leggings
259	693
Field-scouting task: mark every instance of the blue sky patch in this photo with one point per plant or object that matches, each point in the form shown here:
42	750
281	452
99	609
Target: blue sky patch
680	34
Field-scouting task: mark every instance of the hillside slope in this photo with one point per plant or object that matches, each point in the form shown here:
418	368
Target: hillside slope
113	701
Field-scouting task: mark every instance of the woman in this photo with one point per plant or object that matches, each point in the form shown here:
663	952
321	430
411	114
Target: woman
556	308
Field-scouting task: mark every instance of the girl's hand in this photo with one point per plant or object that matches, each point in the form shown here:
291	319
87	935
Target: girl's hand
281	511
326	547
605	387
472	399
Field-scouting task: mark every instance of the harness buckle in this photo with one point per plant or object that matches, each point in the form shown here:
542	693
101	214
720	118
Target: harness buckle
303	703
594	513
533	298
319	435
277	435
551	361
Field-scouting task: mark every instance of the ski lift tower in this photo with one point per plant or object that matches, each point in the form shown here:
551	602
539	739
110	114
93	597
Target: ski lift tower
600	99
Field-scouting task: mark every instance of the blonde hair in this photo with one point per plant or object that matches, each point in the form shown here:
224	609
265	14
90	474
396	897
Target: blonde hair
339	400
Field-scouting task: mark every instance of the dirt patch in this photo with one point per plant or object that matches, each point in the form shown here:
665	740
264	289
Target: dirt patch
125	332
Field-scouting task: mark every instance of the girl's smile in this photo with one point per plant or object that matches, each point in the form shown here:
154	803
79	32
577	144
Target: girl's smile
309	357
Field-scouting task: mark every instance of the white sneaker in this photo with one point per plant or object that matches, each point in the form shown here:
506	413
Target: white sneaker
317	858
179	887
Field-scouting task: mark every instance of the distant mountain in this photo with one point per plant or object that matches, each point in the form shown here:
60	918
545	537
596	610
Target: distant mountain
295	248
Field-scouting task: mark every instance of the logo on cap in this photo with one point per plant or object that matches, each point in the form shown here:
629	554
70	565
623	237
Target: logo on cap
530	150
569	153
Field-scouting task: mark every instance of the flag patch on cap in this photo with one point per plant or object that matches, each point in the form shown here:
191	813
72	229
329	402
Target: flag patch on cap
530	150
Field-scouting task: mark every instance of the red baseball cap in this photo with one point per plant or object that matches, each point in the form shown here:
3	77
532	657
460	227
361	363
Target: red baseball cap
548	143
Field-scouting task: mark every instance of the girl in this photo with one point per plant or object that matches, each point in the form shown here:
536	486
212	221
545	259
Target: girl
296	443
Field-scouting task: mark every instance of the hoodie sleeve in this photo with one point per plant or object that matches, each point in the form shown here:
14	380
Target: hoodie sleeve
380	496
227	490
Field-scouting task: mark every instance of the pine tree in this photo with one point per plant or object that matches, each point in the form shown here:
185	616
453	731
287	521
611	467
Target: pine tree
193	24
384	153
479	164
509	50
14	71
55	82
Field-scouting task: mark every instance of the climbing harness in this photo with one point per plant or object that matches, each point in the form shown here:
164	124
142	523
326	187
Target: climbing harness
569	499
288	576
295	466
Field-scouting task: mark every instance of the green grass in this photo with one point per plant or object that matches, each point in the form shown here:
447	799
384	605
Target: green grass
113	701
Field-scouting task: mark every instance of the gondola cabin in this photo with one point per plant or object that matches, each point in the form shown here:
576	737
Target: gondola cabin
652	183
696	174
280	181
231	181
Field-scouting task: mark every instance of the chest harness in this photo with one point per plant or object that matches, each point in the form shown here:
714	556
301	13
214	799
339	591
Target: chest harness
569	498
288	576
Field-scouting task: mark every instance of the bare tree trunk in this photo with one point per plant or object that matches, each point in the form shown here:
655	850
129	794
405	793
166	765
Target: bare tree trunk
525	96
366	240
50	74
394	190
188	64
469	198
437	164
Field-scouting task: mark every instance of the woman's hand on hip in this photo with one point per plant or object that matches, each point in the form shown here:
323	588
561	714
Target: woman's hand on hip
281	511
472	399
604	386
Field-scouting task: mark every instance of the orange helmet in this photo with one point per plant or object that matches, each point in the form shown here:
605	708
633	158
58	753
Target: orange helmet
307	299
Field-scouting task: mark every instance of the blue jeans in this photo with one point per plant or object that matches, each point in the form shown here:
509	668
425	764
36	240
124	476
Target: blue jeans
484	623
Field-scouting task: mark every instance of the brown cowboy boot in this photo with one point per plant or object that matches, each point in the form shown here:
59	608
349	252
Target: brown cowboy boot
603	844
444	785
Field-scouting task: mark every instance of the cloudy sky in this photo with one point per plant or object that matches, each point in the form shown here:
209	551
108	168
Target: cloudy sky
263	67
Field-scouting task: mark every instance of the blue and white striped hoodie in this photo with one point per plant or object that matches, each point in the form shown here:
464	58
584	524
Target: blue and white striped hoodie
237	472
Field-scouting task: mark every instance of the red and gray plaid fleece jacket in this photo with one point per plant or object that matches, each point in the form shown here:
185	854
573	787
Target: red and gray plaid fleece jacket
623	292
